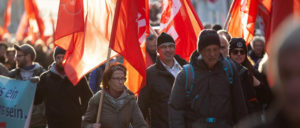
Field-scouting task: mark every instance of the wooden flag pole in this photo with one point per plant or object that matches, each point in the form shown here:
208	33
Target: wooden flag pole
112	39
102	94
228	16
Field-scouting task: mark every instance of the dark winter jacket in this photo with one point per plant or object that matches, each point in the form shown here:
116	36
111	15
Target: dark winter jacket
3	70
155	94
120	112
248	89
65	103
38	117
271	119
255	58
263	91
216	97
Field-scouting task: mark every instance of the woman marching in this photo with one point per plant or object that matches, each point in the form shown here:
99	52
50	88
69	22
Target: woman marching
119	109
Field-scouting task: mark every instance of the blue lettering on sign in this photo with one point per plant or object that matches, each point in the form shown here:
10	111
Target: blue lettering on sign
12	94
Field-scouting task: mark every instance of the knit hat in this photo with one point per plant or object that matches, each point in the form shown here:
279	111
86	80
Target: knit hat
208	37
26	49
57	51
237	43
164	38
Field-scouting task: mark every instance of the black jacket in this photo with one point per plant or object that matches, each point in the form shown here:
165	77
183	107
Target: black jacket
65	103
274	118
217	98
155	94
248	89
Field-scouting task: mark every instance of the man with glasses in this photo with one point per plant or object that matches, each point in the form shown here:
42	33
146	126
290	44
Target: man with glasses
210	93
27	69
153	98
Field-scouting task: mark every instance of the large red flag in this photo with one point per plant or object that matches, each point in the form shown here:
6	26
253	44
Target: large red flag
69	33
128	33
33	15
70	24
180	21
280	11
263	16
266	4
86	44
7	15
242	17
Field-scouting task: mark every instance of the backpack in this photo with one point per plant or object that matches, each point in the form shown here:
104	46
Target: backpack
190	76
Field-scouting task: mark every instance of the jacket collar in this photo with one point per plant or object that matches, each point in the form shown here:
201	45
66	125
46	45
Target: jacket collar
160	66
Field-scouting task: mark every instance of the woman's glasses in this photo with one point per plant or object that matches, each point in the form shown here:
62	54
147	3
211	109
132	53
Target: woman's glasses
119	78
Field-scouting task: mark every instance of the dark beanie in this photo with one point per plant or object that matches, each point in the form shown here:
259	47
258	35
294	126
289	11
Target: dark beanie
57	51
237	43
164	38
208	37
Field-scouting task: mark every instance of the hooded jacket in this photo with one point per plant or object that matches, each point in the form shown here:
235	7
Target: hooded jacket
155	94
119	112
65	103
217	98
23	74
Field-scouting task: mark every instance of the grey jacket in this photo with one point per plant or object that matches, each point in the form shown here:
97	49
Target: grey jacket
116	113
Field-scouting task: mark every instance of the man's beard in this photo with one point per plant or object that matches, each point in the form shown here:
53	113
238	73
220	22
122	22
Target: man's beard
21	64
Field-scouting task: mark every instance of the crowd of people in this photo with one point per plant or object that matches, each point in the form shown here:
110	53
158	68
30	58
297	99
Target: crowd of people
222	85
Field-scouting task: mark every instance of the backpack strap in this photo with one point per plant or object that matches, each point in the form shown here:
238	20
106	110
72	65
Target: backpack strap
190	76
228	70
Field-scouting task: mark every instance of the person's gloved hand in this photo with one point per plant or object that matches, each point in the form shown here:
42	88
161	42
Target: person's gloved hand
35	79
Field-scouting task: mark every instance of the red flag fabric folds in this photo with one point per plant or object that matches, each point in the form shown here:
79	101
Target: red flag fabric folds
242	17
32	13
7	15
86	41
128	33
180	21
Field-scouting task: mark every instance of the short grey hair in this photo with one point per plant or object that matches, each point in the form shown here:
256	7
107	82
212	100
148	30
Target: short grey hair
257	38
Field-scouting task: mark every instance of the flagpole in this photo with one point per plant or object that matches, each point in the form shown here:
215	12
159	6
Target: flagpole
112	39
102	94
228	16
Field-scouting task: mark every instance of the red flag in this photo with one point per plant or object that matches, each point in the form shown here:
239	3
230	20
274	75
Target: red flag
263	16
129	31
280	11
242	17
22	30
86	43
32	13
69	33
180	21
266	4
7	15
